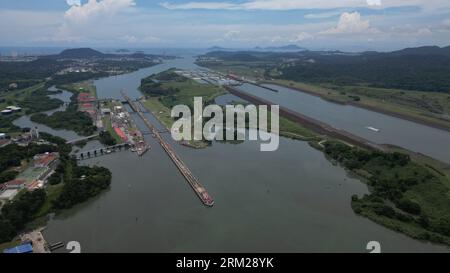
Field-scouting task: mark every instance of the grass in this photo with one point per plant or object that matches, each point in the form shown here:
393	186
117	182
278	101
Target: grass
253	70
160	111
84	86
14	97
427	107
107	124
53	193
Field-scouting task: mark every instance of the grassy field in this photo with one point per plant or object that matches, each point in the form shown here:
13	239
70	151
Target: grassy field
428	107
14	97
108	126
53	193
85	86
159	110
252	70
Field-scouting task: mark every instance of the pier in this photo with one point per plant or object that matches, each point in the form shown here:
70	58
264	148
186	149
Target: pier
199	190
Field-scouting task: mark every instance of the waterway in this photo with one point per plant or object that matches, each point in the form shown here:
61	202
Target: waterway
291	200
25	122
410	135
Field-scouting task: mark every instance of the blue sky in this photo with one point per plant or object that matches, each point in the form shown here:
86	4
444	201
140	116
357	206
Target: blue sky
315	24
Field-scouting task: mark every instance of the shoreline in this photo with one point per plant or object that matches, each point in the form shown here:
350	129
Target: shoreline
310	123
434	125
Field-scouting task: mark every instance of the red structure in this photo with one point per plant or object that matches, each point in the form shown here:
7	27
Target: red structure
120	133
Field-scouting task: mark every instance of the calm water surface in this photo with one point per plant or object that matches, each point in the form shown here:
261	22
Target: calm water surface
292	200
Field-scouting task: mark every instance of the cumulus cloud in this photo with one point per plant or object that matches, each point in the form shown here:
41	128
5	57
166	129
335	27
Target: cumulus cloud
73	2
374	2
302	37
94	9
231	35
351	23
81	19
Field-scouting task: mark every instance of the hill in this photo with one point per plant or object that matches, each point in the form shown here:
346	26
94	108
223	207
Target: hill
80	53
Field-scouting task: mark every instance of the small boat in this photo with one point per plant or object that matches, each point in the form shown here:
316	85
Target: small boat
373	129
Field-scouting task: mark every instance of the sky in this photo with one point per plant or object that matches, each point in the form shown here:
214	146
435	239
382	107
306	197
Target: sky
350	25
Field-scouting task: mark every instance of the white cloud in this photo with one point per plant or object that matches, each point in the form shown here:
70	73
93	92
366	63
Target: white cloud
94	9
302	37
82	20
303	4
351	23
374	2
73	2
231	35
322	15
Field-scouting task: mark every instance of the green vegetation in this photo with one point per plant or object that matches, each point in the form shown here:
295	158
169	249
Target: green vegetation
107	139
427	107
405	196
252	70
76	121
69	78
424	68
12	155
52	192
108	126
7	176
172	89
27	99
15	215
82	183
84	86
423	106
176	90
70	119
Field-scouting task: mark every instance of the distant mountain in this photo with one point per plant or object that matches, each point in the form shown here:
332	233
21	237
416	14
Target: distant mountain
281	48
424	50
217	48
80	53
122	50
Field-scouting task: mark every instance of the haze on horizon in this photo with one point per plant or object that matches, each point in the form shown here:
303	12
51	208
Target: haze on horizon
349	25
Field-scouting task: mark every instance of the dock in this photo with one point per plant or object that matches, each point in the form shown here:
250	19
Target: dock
198	188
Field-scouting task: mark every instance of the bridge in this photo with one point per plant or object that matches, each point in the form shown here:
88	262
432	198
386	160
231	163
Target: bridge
198	188
101	151
82	139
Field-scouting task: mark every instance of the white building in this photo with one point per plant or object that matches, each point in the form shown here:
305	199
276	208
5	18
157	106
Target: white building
8	195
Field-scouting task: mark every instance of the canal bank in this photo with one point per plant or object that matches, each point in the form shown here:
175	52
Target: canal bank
354	120
262	203
363	106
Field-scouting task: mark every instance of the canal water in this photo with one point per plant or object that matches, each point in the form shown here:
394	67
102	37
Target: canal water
410	135
291	200
25	122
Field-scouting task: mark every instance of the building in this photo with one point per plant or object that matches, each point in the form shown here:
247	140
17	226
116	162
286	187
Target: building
4	142
22	249
106	111
47	160
6	112
2	135
121	134
35	133
16	184
8	195
14	109
13	86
